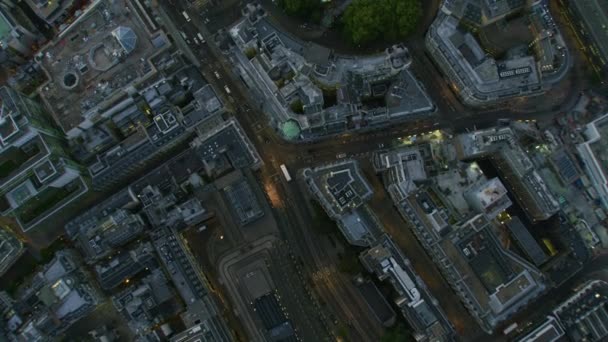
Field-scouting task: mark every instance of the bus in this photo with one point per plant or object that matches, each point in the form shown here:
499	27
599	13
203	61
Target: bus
510	329
285	173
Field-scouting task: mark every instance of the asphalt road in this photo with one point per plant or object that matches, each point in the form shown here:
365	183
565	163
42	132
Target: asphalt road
274	151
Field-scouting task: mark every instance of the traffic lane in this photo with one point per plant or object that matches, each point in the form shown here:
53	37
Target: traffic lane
326	287
367	324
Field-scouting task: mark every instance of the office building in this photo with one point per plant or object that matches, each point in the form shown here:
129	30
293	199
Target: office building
18	35
584	316
501	147
414	300
477	77
11	248
593	153
37	176
310	92
492	282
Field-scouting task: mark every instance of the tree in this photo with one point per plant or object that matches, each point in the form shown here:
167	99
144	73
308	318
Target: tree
305	9
398	333
391	20
297	106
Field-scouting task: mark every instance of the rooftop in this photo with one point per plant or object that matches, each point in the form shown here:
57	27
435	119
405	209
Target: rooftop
94	60
50	10
477	76
526	241
415	302
226	141
311	91
10	250
494	281
245	205
584	315
340	186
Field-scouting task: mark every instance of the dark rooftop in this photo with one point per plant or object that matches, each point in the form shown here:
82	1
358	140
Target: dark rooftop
526	241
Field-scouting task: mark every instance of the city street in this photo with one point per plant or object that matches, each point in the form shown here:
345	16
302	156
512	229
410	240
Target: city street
295	220
322	300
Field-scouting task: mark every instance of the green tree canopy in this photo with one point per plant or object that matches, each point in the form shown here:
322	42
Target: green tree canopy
369	20
397	333
306	9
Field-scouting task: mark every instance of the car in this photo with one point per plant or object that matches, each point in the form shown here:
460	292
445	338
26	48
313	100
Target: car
195	41
217	75
186	16
200	37
341	155
381	145
185	37
227	89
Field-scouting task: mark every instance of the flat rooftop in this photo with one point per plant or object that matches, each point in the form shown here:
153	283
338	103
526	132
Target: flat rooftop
339	186
230	141
92	61
526	241
600	146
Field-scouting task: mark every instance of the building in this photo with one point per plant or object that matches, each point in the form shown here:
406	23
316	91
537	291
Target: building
53	12
98	238
480	79
278	327
492	282
417	305
225	147
146	304
526	242
11	249
122	93
242	199
56	297
192	287
340	187
489	198
501	147
342	192
401	168
593	153
549	331
18	35
121	268
89	228
584	316
37	175
310	92
376	302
